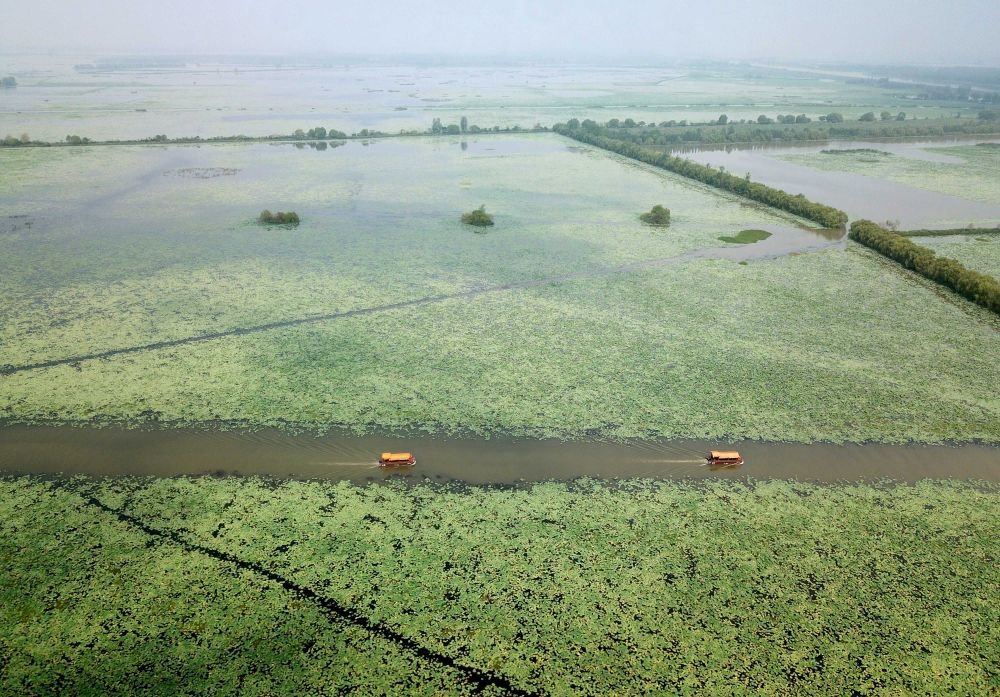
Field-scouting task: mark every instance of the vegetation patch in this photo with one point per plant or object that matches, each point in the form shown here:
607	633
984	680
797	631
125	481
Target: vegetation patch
747	237
137	585
855	151
657	215
266	217
204	172
812	341
950	232
478	217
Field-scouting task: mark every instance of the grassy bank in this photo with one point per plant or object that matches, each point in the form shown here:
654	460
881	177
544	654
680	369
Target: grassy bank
260	587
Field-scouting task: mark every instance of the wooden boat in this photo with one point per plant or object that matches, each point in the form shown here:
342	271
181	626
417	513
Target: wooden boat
397	460
729	458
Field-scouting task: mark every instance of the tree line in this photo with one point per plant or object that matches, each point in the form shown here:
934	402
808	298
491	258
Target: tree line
978	287
797	204
671	134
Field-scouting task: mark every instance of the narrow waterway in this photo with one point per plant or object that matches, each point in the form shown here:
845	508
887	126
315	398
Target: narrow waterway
342	456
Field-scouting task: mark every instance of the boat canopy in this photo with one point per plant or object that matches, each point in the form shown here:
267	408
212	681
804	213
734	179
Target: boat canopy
396	457
723	455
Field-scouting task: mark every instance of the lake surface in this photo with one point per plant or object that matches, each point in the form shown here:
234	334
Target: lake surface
860	196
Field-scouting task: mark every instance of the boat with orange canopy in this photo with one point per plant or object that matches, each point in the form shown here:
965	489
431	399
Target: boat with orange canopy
397	460
724	457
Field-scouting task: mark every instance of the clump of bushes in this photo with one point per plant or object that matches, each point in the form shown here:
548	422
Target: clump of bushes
268	218
478	217
657	215
979	288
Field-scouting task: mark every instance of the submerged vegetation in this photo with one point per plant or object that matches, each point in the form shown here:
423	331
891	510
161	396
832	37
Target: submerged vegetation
137	585
657	215
266	217
795	204
977	287
478	217
746	237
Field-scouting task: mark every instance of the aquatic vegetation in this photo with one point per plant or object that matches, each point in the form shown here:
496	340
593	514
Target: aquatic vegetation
747	237
111	261
965	171
657	215
962	231
853	151
576	588
797	348
976	249
977	287
614	140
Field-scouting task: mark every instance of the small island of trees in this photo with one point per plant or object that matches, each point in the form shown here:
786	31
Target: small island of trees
478	217
268	218
657	215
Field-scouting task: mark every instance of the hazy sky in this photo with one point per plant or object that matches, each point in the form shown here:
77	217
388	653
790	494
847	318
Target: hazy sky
935	31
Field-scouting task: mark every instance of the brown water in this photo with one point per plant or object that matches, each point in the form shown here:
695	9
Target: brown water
115	451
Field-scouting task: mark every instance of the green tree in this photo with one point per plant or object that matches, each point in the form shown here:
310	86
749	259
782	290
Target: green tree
722	120
478	217
464	125
764	119
885	116
802	118
901	116
8	81
867	116
835	118
657	215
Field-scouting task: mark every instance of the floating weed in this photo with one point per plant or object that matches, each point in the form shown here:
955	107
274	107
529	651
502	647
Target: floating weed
581	588
812	342
978	253
970	171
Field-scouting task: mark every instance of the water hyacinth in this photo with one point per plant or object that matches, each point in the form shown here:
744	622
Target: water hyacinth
561	588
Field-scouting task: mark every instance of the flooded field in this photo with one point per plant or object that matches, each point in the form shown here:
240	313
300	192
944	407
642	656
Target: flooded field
262	98
192	403
977	251
933	184
146	295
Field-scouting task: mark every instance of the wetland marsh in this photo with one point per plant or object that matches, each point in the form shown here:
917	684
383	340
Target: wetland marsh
191	403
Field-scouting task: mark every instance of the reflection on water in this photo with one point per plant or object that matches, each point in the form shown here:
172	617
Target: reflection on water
113	451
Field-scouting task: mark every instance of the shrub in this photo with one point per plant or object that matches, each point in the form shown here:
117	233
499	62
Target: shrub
657	215
268	218
478	217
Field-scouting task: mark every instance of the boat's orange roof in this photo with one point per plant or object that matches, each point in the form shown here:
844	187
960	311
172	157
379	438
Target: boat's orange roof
725	455
396	456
